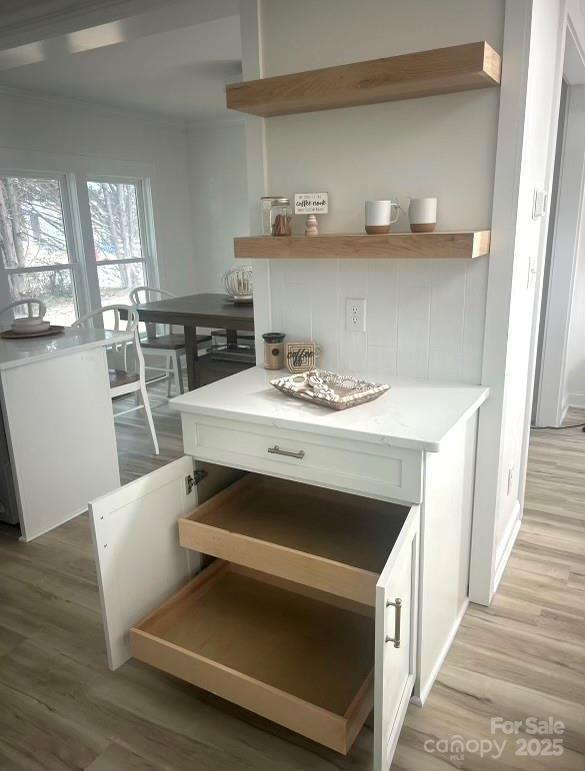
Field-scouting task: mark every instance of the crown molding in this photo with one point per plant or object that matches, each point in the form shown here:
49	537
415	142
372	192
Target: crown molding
97	108
72	14
141	18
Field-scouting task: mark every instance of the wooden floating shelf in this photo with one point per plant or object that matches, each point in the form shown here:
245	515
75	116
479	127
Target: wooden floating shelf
425	73
463	245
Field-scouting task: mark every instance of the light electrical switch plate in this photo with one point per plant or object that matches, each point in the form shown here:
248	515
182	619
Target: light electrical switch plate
539	204
355	314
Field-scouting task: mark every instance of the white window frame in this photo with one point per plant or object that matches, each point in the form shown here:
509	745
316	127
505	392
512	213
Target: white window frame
71	237
73	174
145	228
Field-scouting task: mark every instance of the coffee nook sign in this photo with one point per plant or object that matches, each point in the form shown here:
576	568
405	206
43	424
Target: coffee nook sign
311	203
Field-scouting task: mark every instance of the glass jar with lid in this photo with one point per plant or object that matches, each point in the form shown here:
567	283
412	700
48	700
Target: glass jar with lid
273	350
276	216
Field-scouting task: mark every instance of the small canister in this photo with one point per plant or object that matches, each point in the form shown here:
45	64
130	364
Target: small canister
273	350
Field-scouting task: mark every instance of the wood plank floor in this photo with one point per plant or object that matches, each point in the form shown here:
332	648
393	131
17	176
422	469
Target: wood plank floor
61	708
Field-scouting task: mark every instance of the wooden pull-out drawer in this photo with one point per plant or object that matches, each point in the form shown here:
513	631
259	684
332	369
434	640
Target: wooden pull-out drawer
377	470
290	652
298	660
331	541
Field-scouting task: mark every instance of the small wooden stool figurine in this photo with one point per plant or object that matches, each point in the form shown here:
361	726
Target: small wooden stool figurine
311	225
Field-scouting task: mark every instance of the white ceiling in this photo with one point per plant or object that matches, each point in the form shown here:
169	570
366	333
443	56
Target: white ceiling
173	65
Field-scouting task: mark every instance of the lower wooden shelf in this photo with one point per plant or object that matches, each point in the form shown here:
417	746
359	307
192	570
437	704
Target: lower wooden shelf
464	244
305	662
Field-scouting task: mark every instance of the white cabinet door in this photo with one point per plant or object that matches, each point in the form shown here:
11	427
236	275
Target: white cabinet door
136	543
396	620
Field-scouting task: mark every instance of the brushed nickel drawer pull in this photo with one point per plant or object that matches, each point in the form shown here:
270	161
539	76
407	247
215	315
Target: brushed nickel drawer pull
277	451
397	604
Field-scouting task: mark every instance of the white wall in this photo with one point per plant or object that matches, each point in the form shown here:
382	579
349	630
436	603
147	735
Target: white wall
44	131
424	318
217	168
575	368
533	66
539	142
423	313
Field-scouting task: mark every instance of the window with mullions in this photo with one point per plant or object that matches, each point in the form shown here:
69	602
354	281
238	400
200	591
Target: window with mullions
34	244
46	236
116	209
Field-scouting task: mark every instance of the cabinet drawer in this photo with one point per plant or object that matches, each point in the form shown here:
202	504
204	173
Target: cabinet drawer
298	660
331	541
376	470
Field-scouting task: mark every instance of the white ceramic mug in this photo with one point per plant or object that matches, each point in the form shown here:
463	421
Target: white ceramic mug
379	216
422	213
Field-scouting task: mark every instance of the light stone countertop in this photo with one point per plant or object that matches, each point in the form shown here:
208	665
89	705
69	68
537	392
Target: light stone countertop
18	353
416	414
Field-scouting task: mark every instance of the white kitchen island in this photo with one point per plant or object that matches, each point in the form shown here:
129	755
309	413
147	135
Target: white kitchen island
341	544
58	443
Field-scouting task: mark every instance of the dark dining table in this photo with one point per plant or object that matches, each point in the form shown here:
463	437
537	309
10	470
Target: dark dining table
199	310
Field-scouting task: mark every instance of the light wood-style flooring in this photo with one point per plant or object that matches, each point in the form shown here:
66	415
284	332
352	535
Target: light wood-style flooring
61	708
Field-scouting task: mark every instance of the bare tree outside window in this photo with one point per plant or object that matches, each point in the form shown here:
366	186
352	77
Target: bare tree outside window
35	213
116	233
33	244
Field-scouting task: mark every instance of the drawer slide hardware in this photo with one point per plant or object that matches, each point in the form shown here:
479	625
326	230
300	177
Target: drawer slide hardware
289	453
192	480
397	605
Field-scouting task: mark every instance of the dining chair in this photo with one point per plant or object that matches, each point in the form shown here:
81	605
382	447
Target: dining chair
170	344
126	366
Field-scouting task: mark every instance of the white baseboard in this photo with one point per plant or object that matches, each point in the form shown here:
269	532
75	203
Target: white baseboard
576	400
67	518
421	692
509	545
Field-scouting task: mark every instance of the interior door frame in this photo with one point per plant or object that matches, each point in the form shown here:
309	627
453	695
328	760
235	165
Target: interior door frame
557	301
515	265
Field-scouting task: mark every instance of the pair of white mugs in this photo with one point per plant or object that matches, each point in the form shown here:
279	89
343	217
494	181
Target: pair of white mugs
422	213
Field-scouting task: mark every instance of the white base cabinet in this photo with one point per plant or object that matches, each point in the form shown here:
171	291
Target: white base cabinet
321	600
274	642
57	414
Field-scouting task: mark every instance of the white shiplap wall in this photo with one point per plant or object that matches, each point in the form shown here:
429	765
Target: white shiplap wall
424	318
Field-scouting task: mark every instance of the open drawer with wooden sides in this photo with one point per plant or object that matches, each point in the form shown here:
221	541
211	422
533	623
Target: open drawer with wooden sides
270	649
307	618
332	541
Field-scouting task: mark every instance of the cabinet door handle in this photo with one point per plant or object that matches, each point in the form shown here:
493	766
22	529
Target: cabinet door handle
277	451
397	604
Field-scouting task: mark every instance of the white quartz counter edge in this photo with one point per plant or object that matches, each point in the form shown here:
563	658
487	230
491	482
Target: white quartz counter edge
18	353
238	398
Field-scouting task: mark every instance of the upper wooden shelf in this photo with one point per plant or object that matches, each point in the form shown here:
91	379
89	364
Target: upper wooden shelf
439	71
465	244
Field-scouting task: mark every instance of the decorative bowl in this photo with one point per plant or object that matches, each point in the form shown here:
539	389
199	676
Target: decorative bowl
338	392
238	284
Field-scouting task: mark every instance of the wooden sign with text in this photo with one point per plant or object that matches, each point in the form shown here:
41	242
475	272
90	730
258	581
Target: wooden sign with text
311	203
300	357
